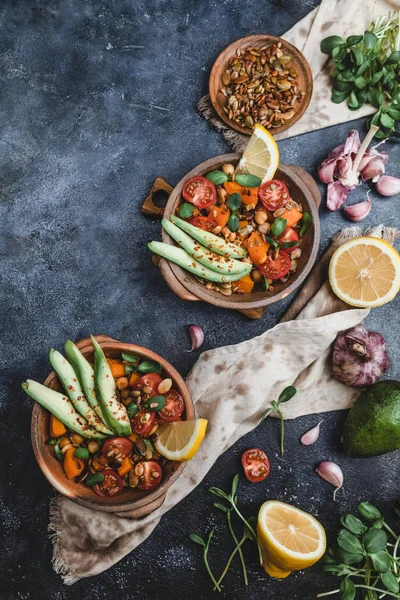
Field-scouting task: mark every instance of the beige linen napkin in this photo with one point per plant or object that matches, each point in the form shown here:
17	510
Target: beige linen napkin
232	387
331	17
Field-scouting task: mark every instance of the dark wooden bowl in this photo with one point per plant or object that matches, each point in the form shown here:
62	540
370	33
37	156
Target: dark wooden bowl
138	503
303	189
304	78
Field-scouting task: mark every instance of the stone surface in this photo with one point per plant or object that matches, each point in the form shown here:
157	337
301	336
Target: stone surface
97	99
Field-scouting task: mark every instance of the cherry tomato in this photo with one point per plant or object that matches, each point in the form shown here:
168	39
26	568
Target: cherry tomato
150	380
275	269
151	477
111	486
289	235
200	191
143	422
117	445
174	407
273	194
255	464
205	223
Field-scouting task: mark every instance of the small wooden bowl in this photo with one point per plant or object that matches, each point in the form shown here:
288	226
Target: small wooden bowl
302	188
304	78
138	503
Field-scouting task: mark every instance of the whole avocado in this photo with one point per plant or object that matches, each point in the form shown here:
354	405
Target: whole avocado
373	424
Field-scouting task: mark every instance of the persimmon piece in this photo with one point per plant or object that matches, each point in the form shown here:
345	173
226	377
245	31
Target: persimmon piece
57	428
292	216
72	465
117	367
249	195
133	377
257	248
245	284
125	467
220	214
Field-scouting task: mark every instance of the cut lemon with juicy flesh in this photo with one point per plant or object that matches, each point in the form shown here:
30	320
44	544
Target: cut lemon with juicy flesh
365	272
261	155
180	440
290	539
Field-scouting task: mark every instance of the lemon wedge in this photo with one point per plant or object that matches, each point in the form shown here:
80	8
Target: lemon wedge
180	440
261	155
290	539
365	272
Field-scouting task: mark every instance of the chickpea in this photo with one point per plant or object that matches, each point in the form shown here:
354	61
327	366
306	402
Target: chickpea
260	217
228	169
256	275
77	439
63	442
121	383
264	228
125	393
93	446
226	232
232	237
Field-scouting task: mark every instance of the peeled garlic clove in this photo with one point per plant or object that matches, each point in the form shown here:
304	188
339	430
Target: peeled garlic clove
375	167
358	212
196	336
336	195
332	473
311	436
388	186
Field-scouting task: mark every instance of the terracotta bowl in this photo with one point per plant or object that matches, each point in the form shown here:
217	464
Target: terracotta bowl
139	503
302	188
304	78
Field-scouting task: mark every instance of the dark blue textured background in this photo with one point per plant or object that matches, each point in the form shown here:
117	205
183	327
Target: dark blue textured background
97	98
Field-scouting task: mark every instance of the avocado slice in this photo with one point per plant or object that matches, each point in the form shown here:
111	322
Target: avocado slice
209	240
373	424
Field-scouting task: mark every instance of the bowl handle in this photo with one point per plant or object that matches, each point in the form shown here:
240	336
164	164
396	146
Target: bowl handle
148	206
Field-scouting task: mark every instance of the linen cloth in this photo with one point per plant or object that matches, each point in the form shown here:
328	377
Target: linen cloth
231	387
331	17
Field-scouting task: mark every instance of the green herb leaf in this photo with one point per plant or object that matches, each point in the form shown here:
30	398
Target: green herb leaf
349	542
278	226
360	82
362	68
272	242
393	58
376	78
149	366
224	509
58	453
393	112
129	369
132	409
197	539
381	561
349	558
186	210
368	511
234	201
131	357
387	120
370	40
329	43
305	223
275	405
216	177
289	244
342	86
233	223
347	590
353	524
218	492
374	541
375	97
234	485
287	394
248	180
353	101
265	282
352	40
338	97
390	582
358	56
338	53
52	441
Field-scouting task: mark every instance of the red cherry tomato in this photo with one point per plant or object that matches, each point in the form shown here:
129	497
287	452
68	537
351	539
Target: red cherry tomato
205	223
150	380
111	486
117	445
143	422
273	194
151	477
255	464
275	269
173	408
289	235
200	191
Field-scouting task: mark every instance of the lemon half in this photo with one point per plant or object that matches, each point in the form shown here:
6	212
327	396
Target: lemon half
180	440
261	155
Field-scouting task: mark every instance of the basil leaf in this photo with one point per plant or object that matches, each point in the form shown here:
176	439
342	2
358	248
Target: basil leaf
305	223
386	120
353	101
338	97
186	210
342	86
362	68
266	284
360	82
329	43
393	58
352	40
287	394
278	226
216	177
233	223
375	97
353	524
248	180
338	53
358	56
289	244
370	40
149	366
129	369
393	112
368	512
349	542
362	96
234	201
374	541
381	561
390	582
58	453
272	242
130	357
197	539
347	590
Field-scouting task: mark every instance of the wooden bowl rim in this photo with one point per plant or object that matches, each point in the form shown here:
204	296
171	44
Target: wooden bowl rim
228	52
201	291
38	442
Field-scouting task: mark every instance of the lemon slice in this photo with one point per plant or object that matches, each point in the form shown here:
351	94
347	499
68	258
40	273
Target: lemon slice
261	155
290	539
180	440
365	272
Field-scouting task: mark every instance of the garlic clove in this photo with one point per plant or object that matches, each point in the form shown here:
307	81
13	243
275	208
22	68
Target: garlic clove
332	473
196	337
358	212
311	436
336	195
388	186
375	167
327	168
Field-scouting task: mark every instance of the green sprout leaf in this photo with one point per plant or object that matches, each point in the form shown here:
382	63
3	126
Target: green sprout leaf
352	40
390	582
370	40
287	394
374	541
353	524
331	42
347	590
381	561
349	542
197	539
368	511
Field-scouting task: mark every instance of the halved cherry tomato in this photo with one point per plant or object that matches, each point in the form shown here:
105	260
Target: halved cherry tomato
117	445
150	380
151	477
273	194
200	191
173	408
276	269
205	223
255	464
143	422
289	235
111	486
